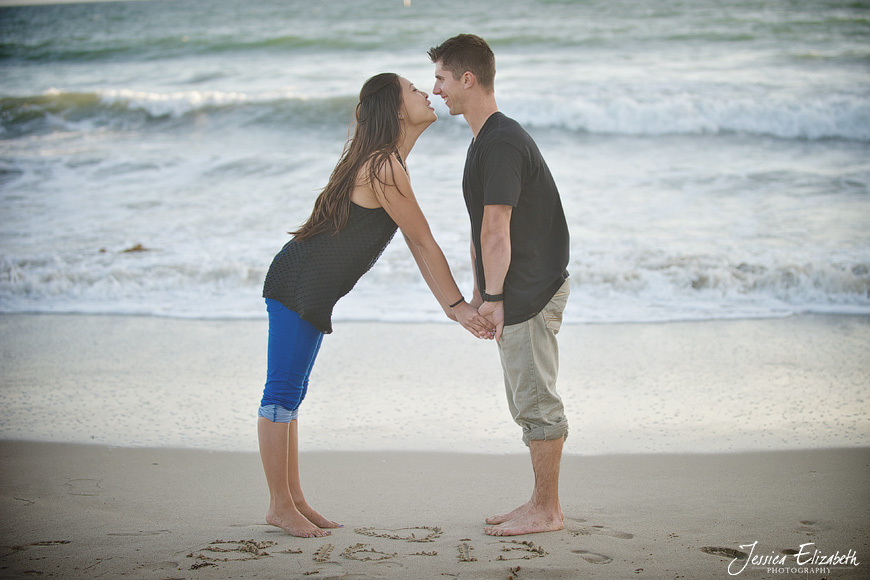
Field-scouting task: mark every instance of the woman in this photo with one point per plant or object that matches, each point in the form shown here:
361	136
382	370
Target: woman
367	198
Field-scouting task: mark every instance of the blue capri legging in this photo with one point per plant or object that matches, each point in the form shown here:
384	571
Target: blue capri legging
293	346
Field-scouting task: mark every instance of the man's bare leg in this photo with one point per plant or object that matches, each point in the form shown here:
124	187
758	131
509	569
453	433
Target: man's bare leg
542	513
274	443
295	483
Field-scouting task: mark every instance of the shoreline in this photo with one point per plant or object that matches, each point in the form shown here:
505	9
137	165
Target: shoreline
441	321
715	386
677	387
84	511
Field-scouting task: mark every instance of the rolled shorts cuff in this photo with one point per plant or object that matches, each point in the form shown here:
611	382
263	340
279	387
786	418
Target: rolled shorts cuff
545	432
278	414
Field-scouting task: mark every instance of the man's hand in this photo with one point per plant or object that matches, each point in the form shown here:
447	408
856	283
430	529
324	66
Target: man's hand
494	313
473	322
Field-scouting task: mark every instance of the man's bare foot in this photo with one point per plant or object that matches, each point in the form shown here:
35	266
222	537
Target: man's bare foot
313	516
528	522
495	520
295	524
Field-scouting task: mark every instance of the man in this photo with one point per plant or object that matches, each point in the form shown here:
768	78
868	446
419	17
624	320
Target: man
519	254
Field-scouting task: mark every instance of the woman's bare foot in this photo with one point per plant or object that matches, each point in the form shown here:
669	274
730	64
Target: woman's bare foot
313	516
294	523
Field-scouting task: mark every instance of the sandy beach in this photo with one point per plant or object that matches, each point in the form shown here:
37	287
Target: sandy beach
713	167
697	450
73	511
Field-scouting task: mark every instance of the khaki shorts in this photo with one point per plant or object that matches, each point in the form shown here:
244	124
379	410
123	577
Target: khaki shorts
530	360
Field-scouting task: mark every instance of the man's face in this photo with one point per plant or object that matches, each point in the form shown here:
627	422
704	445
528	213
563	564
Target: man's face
450	89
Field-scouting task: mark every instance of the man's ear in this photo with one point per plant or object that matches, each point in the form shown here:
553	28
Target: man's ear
468	79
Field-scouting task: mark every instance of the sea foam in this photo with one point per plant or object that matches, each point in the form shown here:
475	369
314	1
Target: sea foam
835	116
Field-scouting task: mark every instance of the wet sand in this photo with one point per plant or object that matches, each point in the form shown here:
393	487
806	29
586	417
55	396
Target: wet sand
78	511
691	387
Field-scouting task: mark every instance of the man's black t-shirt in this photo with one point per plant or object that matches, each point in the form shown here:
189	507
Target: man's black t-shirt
505	167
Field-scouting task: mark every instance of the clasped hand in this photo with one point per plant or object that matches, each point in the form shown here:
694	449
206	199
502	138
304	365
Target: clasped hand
481	325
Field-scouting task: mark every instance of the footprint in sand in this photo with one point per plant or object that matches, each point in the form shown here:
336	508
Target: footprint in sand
812	527
160	566
43	544
140	533
50	543
85	487
579	530
592	557
725	552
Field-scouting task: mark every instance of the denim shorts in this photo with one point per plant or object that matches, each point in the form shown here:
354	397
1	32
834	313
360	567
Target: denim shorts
530	361
293	347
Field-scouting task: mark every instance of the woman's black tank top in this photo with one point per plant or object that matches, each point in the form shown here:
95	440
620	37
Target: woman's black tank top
310	276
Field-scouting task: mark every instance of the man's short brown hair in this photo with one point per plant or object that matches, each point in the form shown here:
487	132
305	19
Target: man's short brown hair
467	52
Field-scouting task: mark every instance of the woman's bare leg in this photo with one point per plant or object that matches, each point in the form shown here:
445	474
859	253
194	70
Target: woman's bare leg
296	485
274	452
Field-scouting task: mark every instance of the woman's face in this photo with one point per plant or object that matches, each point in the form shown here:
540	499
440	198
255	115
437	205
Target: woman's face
417	109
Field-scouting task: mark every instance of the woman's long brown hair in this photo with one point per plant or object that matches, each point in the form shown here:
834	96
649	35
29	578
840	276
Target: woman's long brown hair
376	137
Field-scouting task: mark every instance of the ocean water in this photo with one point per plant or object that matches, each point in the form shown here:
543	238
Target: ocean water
713	156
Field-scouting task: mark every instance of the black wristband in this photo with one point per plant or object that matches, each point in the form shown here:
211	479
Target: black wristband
492	297
458	302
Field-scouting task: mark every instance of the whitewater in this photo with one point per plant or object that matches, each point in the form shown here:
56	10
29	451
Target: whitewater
713	157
